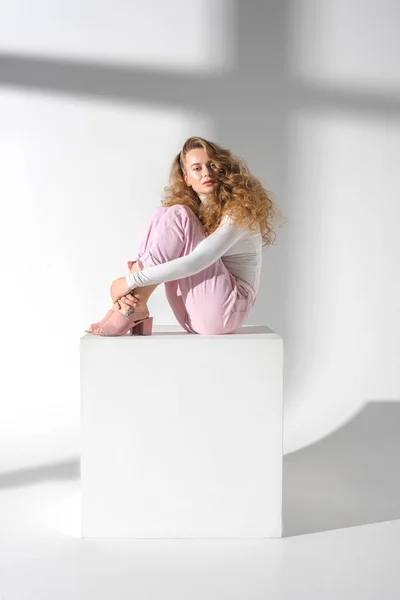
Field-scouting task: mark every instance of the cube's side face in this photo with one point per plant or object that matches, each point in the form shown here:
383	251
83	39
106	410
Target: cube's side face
181	437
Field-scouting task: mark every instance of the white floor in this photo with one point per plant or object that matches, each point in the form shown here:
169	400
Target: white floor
42	556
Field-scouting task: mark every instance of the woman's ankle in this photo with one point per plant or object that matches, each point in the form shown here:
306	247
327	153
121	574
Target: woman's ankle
141	307
142	293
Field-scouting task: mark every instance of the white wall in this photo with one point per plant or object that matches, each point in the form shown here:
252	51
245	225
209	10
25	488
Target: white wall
96	98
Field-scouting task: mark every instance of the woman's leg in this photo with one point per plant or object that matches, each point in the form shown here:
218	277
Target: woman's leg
209	302
154	235
143	293
124	304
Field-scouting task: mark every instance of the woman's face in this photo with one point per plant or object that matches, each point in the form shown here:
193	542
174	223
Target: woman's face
201	172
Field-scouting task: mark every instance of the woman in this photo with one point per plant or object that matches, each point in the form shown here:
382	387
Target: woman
204	243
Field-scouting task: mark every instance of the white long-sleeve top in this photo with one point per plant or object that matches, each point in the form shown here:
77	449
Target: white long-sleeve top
239	248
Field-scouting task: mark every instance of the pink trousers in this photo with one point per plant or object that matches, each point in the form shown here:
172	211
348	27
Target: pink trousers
212	301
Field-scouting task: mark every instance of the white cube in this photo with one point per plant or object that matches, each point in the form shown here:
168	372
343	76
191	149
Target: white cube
181	434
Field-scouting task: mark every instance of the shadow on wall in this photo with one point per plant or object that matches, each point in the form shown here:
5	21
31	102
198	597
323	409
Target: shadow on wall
247	101
60	471
348	478
251	103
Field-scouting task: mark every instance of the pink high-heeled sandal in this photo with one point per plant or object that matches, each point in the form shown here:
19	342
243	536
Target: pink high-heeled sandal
120	324
143	327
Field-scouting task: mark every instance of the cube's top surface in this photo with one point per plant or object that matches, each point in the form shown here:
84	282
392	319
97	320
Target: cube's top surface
172	331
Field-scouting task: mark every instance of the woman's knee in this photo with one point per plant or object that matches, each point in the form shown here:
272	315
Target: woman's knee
160	210
172	212
181	209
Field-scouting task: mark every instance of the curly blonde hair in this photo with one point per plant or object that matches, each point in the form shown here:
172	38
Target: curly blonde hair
238	192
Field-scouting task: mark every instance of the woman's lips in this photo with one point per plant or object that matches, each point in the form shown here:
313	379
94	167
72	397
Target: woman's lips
209	183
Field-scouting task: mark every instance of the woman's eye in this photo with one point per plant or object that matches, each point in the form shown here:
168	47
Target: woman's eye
211	165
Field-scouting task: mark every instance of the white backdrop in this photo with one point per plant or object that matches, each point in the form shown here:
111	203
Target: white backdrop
96	98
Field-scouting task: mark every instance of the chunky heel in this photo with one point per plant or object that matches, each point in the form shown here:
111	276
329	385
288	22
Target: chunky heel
144	327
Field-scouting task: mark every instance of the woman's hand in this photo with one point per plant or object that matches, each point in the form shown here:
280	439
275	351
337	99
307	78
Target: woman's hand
127	302
119	288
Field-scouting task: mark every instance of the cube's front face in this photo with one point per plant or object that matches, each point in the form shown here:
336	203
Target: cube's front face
181	436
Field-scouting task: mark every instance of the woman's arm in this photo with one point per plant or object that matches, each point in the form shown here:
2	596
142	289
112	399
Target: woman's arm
206	252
